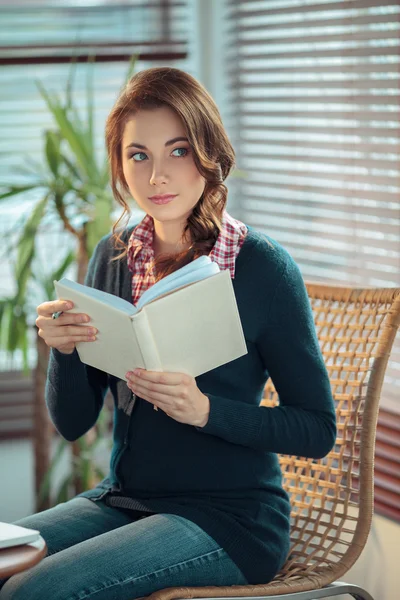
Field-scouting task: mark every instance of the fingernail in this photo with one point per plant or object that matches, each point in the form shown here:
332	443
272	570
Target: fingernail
137	372
68	305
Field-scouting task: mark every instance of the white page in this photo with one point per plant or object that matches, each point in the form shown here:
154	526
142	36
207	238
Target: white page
115	337
199	328
202	272
194	330
198	269
64	286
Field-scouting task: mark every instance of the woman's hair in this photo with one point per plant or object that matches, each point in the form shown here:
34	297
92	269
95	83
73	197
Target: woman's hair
212	151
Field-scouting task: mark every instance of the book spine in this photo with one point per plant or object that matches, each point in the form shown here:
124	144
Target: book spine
146	342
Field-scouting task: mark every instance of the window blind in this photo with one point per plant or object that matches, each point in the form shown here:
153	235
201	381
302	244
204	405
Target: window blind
314	95
38	40
162	32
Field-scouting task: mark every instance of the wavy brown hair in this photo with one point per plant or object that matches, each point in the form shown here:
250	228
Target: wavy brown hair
213	154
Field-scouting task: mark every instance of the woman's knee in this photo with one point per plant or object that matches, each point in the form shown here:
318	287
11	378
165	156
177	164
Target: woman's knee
33	584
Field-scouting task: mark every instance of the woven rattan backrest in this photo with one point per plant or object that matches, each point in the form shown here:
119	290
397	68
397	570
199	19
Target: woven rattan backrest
332	498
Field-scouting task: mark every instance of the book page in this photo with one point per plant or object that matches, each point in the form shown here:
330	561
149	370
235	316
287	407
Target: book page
66	286
198	328
197	270
116	349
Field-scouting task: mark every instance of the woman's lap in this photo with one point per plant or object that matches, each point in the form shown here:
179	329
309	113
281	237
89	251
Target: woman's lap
100	553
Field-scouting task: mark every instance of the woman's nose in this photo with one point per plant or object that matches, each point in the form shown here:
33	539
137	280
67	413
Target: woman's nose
158	175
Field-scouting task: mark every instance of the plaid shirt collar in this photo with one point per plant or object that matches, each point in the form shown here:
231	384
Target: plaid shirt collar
224	251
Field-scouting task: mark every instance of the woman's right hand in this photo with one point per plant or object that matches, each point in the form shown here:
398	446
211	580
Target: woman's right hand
63	333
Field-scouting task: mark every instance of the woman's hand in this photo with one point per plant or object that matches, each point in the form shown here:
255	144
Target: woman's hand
176	394
63	333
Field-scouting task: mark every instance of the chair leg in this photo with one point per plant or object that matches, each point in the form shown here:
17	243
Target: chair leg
334	589
354	590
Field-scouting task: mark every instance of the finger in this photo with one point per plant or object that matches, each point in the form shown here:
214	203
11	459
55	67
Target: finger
63	320
48	308
68	318
77	330
158	400
57	342
164	377
51	337
149	386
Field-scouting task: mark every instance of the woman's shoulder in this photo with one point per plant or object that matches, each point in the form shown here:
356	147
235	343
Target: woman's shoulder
106	245
275	271
265	252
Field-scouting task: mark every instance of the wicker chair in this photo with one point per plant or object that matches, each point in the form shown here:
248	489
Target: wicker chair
332	498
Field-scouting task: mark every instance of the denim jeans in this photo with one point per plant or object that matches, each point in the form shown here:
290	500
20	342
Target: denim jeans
104	553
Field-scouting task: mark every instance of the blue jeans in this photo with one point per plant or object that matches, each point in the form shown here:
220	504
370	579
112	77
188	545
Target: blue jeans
104	553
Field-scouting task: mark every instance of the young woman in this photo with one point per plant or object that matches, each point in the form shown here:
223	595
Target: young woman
194	494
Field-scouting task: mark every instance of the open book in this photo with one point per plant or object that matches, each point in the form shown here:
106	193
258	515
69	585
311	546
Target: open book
188	322
15	535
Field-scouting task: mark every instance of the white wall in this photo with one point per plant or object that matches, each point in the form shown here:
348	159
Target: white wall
378	568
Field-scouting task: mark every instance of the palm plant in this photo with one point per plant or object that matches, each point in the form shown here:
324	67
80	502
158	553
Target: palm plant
74	191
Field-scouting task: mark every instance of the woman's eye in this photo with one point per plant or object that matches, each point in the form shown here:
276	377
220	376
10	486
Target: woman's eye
142	154
184	149
138	154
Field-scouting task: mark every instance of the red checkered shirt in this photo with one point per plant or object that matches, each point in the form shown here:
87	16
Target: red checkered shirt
141	255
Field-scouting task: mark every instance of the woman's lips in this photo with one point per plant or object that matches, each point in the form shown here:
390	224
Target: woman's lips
164	200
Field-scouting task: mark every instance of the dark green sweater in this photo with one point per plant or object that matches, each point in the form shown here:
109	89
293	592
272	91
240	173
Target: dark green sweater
225	476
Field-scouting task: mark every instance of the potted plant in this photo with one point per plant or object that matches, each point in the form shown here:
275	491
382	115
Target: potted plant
73	186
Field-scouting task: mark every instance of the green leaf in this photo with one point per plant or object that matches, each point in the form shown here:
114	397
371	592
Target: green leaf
21	338
90	103
26	247
59	272
52	147
86	472
63	492
13	190
100	474
17	329
100	225
6	320
70	132
104	175
74	169
68	89
9	249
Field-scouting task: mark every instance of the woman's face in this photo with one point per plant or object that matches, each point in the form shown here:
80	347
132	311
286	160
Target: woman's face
155	162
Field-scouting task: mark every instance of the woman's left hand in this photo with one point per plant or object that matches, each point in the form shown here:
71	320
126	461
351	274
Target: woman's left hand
176	394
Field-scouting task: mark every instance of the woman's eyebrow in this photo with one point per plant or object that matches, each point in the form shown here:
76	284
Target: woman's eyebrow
169	143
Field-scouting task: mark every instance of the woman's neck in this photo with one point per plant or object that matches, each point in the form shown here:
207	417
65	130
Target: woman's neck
165	248
169	241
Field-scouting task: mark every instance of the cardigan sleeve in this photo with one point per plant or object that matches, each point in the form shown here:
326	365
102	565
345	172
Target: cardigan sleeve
304	422
74	391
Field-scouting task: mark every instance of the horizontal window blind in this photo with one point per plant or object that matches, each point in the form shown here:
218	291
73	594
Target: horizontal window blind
112	31
314	95
387	465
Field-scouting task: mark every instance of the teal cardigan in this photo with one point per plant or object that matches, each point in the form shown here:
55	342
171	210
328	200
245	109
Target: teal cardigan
224	476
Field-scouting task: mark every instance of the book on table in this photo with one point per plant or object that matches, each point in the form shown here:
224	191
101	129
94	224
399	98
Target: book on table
187	322
15	535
